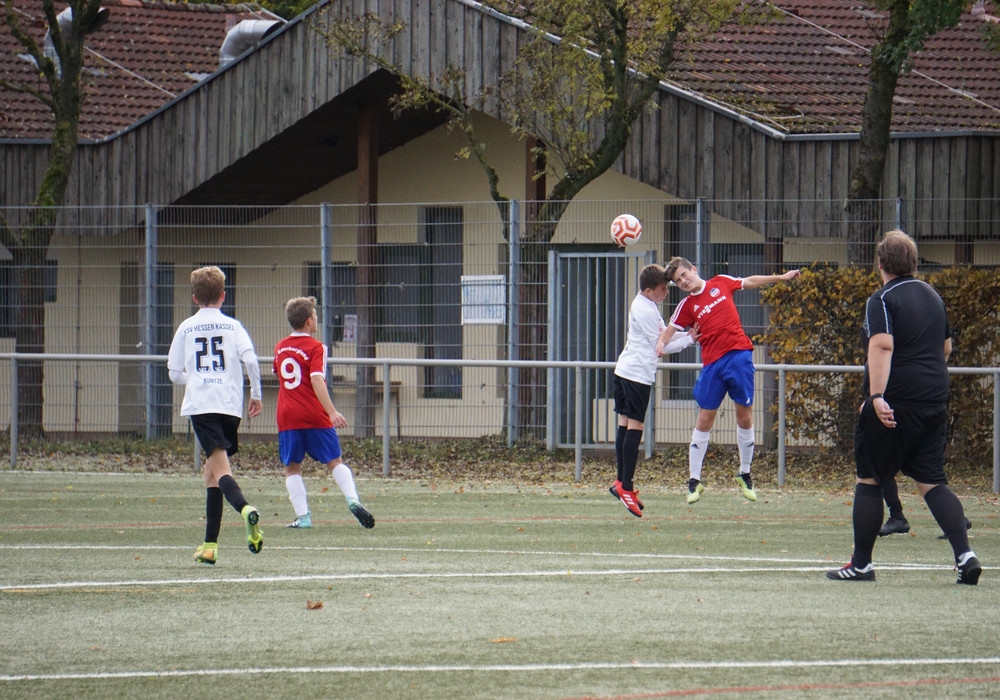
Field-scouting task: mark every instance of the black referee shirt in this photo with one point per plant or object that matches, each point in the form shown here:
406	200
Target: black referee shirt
913	314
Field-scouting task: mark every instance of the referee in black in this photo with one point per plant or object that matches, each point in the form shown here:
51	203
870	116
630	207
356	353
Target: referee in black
903	422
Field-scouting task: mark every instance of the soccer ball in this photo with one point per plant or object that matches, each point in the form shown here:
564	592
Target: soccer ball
625	230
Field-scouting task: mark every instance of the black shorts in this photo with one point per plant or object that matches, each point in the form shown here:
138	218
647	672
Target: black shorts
631	398
914	447
216	430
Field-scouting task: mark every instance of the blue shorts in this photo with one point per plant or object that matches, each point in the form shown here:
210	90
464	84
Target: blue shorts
733	374
322	444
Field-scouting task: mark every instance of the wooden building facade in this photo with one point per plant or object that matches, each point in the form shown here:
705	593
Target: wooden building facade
284	119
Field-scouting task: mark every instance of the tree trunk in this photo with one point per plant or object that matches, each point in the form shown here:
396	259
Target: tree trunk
29	333
533	320
863	215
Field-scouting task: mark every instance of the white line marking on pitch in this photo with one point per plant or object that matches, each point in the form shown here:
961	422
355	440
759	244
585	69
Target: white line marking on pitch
444	550
242	580
507	668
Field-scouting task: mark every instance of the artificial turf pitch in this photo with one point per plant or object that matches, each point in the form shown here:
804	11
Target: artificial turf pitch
479	591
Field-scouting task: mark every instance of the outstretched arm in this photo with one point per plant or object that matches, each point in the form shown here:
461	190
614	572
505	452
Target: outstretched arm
758	281
665	335
682	340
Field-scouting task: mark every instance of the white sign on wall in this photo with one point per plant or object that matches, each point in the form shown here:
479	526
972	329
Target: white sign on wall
350	328
484	300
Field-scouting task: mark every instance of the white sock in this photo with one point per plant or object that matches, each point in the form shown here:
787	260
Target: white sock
744	440
345	480
696	453
297	494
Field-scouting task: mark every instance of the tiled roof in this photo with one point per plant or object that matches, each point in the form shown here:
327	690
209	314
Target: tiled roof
808	71
145	55
805	73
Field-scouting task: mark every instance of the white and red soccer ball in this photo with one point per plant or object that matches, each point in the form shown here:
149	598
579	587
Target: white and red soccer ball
625	230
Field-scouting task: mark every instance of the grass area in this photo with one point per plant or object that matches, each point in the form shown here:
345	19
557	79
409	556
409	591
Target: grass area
479	590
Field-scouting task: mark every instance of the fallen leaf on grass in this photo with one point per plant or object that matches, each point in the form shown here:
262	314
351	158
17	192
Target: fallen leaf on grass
314	604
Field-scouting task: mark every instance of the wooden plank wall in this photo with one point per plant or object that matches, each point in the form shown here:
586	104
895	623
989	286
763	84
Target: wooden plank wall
780	187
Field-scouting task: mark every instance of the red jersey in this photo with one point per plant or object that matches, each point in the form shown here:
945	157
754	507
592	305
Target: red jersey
714	310
296	359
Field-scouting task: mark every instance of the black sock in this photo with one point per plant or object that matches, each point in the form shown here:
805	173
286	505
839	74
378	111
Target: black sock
620	449
867	517
231	490
213	513
890	492
630	456
947	510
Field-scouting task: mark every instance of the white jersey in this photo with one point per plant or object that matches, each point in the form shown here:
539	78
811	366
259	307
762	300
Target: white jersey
206	356
638	359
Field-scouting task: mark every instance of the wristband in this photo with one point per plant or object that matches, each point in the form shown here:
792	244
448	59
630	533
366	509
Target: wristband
876	396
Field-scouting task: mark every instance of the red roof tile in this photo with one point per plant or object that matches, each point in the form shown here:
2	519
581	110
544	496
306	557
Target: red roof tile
808	71
145	55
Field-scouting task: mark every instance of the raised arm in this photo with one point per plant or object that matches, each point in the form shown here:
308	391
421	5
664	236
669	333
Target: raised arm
758	281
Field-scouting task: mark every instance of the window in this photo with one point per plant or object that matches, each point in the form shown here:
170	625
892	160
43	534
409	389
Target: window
443	233
342	296
402	294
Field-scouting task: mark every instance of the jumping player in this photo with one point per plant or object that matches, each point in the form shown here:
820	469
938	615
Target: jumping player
727	359
635	373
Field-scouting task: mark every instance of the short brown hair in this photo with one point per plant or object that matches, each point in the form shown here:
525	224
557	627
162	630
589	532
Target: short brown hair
651	277
208	283
299	310
675	263
897	253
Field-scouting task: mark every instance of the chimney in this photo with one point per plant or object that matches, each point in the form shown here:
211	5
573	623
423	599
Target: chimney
243	37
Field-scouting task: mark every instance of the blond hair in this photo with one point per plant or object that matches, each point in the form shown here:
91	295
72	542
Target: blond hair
208	283
299	310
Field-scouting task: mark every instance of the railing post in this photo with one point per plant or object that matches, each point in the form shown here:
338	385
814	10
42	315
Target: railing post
996	432
579	422
13	413
326	284
513	313
781	426
386	402
551	375
149	327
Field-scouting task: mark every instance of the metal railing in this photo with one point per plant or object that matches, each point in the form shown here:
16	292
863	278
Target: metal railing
386	364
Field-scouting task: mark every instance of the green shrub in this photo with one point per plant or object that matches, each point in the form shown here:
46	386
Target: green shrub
818	320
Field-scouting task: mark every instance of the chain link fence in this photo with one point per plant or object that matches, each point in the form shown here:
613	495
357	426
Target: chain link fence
443	285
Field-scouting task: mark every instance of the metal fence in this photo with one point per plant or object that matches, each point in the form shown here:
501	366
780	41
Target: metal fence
662	416
470	298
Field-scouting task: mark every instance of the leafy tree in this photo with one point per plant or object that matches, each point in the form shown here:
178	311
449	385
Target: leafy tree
28	244
574	92
910	24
